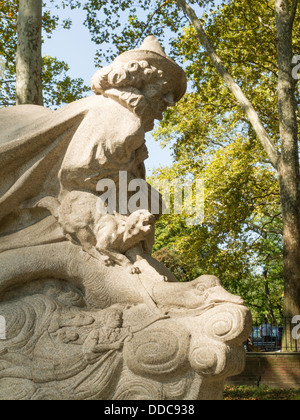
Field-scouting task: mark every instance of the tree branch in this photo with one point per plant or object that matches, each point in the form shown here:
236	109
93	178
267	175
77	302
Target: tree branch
7	81
243	101
6	104
149	21
293	12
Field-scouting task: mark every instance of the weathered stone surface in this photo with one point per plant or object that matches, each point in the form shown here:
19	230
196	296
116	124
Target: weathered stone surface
89	313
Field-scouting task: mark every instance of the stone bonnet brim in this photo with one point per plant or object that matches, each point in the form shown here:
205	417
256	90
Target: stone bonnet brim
173	73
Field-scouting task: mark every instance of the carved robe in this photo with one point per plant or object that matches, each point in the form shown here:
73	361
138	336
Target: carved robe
46	153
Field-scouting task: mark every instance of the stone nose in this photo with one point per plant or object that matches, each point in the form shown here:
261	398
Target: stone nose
219	295
169	99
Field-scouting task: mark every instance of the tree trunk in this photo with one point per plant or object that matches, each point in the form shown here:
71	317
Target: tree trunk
268	297
289	178
29	56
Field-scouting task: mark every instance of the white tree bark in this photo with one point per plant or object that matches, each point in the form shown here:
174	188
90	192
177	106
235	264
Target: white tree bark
243	101
29	56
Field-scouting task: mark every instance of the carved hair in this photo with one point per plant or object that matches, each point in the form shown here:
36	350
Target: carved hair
119	75
125	81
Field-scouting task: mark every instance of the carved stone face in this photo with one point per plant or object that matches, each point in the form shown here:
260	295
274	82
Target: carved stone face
140	221
114	319
158	99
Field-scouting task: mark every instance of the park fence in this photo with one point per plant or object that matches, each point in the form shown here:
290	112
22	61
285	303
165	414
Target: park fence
273	355
274	336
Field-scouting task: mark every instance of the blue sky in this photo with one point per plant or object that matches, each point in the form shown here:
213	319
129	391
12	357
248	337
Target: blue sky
75	47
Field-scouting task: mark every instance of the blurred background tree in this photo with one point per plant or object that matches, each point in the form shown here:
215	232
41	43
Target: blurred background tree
58	87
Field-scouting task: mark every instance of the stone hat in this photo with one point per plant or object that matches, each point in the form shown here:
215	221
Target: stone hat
153	53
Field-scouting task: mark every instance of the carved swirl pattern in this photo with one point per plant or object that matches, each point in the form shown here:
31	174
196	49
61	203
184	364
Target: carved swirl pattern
216	349
157	361
131	387
208	357
160	350
226	323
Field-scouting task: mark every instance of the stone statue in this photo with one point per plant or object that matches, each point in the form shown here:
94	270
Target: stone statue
89	313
